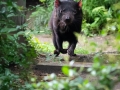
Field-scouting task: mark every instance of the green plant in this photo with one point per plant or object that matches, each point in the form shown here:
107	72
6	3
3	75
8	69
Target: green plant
9	80
112	25
39	19
96	15
104	73
12	52
104	78
37	45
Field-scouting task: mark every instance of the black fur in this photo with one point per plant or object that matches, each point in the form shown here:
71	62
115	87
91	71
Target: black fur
66	19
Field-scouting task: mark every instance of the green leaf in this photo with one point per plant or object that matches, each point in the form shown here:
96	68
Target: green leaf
3	3
21	33
10	37
14	4
7	30
42	0
3	9
12	29
93	44
11	15
104	32
65	70
118	36
7	72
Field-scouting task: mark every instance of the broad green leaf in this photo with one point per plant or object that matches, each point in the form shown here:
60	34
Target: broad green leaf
10	15
3	3
7	72
3	9
10	37
65	70
42	0
7	30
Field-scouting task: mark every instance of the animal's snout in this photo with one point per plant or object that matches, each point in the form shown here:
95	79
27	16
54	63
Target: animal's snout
67	19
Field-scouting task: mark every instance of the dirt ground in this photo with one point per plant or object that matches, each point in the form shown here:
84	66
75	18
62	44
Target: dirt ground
106	44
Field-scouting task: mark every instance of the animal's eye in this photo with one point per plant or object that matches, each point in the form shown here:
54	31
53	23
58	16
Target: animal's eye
74	12
62	10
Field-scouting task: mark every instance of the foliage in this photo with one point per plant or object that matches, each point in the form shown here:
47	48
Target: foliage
103	74
113	23
9	81
12	51
98	15
39	19
39	46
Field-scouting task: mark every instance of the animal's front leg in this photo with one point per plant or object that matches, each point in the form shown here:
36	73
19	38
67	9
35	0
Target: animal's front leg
59	44
56	51
71	48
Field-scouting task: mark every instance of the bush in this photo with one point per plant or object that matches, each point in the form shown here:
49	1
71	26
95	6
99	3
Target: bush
104	78
12	51
97	14
39	19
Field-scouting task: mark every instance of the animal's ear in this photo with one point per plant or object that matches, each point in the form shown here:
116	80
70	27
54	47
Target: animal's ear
57	3
80	3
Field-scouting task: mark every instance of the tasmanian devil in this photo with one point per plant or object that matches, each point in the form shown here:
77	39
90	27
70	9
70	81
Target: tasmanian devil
66	19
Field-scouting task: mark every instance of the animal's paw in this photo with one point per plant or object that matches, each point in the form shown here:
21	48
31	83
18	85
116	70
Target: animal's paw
71	52
56	52
64	51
